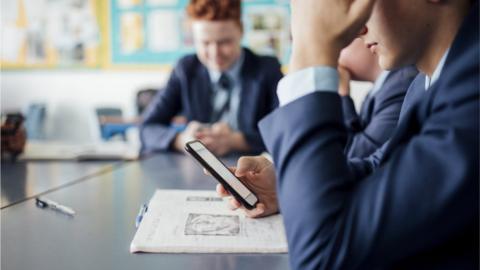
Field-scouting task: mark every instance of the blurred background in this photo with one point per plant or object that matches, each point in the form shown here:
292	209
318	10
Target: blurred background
71	66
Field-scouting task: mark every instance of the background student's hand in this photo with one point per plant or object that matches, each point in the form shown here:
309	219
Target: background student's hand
258	174
322	28
217	138
189	134
344	81
221	139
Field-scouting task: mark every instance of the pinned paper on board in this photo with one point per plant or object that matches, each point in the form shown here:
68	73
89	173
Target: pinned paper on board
162	2
163	31
132	36
124	4
267	30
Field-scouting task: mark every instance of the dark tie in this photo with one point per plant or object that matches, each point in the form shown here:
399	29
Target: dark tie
220	109
225	82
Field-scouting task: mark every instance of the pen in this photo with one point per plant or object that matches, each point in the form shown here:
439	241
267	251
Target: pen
46	203
142	212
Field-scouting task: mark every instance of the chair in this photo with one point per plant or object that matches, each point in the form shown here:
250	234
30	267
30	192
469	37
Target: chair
144	97
111	124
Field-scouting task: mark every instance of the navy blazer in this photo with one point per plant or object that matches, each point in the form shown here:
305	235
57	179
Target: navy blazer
362	166
418	210
378	116
189	92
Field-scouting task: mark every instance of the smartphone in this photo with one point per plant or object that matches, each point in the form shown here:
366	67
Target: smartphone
218	170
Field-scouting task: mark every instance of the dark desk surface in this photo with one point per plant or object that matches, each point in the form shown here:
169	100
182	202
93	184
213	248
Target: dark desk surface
99	235
21	180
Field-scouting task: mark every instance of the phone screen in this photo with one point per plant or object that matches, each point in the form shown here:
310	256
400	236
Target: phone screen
223	171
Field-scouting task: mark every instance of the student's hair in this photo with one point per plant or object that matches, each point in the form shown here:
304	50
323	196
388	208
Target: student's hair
215	10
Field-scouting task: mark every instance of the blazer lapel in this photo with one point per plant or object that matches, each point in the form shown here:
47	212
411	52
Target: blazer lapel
202	95
414	94
409	122
366	110
248	95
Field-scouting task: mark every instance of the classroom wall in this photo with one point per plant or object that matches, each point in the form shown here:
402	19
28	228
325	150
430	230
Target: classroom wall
72	95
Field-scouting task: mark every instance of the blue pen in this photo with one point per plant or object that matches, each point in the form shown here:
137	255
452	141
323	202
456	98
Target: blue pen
140	215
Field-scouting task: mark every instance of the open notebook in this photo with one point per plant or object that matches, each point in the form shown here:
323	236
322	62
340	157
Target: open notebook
187	221
68	151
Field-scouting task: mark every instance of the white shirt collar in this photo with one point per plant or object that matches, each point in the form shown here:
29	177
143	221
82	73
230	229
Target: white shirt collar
429	81
377	85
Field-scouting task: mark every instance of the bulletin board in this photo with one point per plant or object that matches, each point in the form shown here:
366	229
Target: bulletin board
156	32
103	34
50	34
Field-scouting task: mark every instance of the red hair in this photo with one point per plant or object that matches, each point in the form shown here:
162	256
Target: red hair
215	10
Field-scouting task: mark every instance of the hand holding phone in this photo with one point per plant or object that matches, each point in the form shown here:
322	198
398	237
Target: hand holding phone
223	175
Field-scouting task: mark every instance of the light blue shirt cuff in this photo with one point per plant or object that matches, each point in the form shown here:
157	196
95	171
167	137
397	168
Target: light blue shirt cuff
307	81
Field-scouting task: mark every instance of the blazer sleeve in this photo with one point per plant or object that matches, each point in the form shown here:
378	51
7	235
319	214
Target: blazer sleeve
377	131
334	221
155	131
361	167
352	121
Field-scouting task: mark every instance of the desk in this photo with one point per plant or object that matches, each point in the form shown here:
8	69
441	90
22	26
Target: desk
22	180
99	236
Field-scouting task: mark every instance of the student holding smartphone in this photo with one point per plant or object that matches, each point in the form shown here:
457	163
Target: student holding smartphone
418	207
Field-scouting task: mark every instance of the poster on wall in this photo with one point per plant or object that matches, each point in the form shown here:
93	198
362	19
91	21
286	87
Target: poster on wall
267	30
49	33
